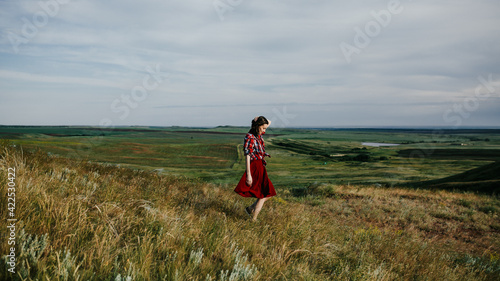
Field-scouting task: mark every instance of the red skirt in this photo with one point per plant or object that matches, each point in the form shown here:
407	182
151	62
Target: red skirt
261	185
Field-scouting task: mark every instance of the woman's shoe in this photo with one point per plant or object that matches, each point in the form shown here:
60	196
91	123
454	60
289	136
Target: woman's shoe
249	211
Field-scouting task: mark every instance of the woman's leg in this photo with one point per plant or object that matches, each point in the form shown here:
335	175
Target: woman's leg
257	206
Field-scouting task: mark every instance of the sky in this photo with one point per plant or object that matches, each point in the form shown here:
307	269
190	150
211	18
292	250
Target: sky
315	63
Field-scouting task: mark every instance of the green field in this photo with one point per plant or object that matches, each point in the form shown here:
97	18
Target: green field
300	157
158	204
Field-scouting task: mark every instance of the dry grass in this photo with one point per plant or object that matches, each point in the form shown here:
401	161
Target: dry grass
83	221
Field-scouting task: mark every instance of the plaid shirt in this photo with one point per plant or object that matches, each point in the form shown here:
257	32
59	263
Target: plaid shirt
255	147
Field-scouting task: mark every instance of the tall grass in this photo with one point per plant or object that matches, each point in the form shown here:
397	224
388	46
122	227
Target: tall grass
83	221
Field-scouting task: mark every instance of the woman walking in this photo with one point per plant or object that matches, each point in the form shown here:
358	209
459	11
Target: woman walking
254	182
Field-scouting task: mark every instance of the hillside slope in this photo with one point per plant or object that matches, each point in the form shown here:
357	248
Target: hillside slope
82	221
484	179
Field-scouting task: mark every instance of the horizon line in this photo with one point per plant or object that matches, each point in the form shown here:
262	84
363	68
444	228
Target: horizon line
284	127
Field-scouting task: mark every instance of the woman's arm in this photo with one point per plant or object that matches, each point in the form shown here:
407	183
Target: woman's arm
249	174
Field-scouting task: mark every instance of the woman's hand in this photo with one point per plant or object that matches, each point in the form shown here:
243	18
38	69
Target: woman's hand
249	180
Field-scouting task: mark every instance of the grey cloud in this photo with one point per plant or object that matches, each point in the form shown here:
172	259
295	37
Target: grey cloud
270	52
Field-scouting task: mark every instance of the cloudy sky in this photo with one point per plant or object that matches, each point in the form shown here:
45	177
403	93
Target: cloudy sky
319	63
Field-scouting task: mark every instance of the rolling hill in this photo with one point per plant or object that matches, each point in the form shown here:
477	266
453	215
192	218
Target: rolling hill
484	179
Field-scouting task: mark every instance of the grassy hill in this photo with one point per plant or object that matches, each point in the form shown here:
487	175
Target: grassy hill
78	220
485	179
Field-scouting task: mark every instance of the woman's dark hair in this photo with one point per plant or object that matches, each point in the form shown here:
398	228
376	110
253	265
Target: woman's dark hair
256	123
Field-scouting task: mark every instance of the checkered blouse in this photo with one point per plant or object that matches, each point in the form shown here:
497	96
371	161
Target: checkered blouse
255	147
